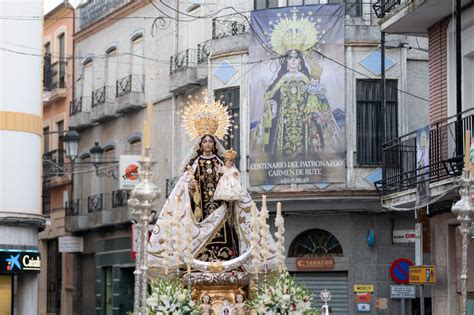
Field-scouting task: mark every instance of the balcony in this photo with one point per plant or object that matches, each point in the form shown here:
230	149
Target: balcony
96	211
130	93
401	173
203	54
103	104
53	169
230	34
79	113
183	72
54	81
413	16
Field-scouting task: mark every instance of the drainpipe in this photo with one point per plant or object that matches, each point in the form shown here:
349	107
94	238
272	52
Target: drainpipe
459	129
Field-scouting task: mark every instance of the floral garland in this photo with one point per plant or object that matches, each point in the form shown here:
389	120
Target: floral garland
170	297
283	295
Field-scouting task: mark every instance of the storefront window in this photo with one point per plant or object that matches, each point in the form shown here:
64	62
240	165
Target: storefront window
315	243
6	291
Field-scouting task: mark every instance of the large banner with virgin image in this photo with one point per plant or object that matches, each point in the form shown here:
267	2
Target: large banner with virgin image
297	117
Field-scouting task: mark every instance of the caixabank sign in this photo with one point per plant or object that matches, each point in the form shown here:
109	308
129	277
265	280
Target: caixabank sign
19	261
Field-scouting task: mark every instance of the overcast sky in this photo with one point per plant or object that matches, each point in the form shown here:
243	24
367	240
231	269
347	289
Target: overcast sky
51	4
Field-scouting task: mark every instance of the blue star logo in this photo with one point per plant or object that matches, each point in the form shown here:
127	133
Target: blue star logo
12	262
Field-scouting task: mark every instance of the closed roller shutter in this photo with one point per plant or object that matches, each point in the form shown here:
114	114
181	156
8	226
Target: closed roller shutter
336	282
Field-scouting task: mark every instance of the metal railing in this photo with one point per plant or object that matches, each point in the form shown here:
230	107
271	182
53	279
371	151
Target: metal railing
98	96
53	162
400	155
120	198
183	60
73	208
95	203
75	106
383	7
130	83
229	25
203	51
54	74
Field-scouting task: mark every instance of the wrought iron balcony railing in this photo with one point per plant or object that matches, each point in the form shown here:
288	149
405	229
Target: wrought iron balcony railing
203	51
98	96
73	208
446	139
229	25
75	106
120	198
54	74
95	203
183	60
130	83
382	7
53	162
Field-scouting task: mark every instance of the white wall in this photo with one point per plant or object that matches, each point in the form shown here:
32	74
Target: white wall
20	91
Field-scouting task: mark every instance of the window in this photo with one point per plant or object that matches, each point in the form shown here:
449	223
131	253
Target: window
135	147
47	72
306	2
369	119
62	61
109	155
315	243
111	71
137	53
231	98
265	4
87	86
46	136
60	129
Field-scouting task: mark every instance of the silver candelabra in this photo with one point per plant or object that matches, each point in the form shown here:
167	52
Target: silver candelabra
464	211
141	202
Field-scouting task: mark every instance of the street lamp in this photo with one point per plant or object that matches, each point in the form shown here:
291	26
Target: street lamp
96	159
71	142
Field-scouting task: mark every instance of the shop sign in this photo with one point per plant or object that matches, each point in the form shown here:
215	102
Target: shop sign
422	275
315	264
363	298
128	171
17	261
402	292
404	236
363	288
363	307
71	244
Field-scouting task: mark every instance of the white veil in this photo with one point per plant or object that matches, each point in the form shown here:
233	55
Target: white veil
192	153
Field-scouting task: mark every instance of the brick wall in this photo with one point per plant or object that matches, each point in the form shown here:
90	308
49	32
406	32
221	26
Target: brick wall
438	70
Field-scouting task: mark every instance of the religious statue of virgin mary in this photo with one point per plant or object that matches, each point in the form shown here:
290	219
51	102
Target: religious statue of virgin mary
221	229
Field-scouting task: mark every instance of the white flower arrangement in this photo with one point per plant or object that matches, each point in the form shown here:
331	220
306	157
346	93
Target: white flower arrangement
283	295
170	297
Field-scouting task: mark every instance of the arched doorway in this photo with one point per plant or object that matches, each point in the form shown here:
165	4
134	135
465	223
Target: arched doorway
318	244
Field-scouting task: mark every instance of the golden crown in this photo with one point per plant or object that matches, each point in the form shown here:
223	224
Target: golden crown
295	32
202	117
230	154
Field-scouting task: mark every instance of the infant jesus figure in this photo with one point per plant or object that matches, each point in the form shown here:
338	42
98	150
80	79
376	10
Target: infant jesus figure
229	187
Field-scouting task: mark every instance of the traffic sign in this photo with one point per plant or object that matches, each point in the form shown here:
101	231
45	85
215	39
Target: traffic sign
422	275
399	270
363	288
363	297
402	292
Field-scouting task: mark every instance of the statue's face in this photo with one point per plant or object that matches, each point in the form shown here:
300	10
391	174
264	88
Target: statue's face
239	298
293	60
207	144
205	299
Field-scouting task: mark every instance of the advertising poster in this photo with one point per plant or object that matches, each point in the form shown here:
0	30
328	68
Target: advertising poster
297	118
422	165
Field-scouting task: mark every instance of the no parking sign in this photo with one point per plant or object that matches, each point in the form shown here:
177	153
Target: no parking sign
399	270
